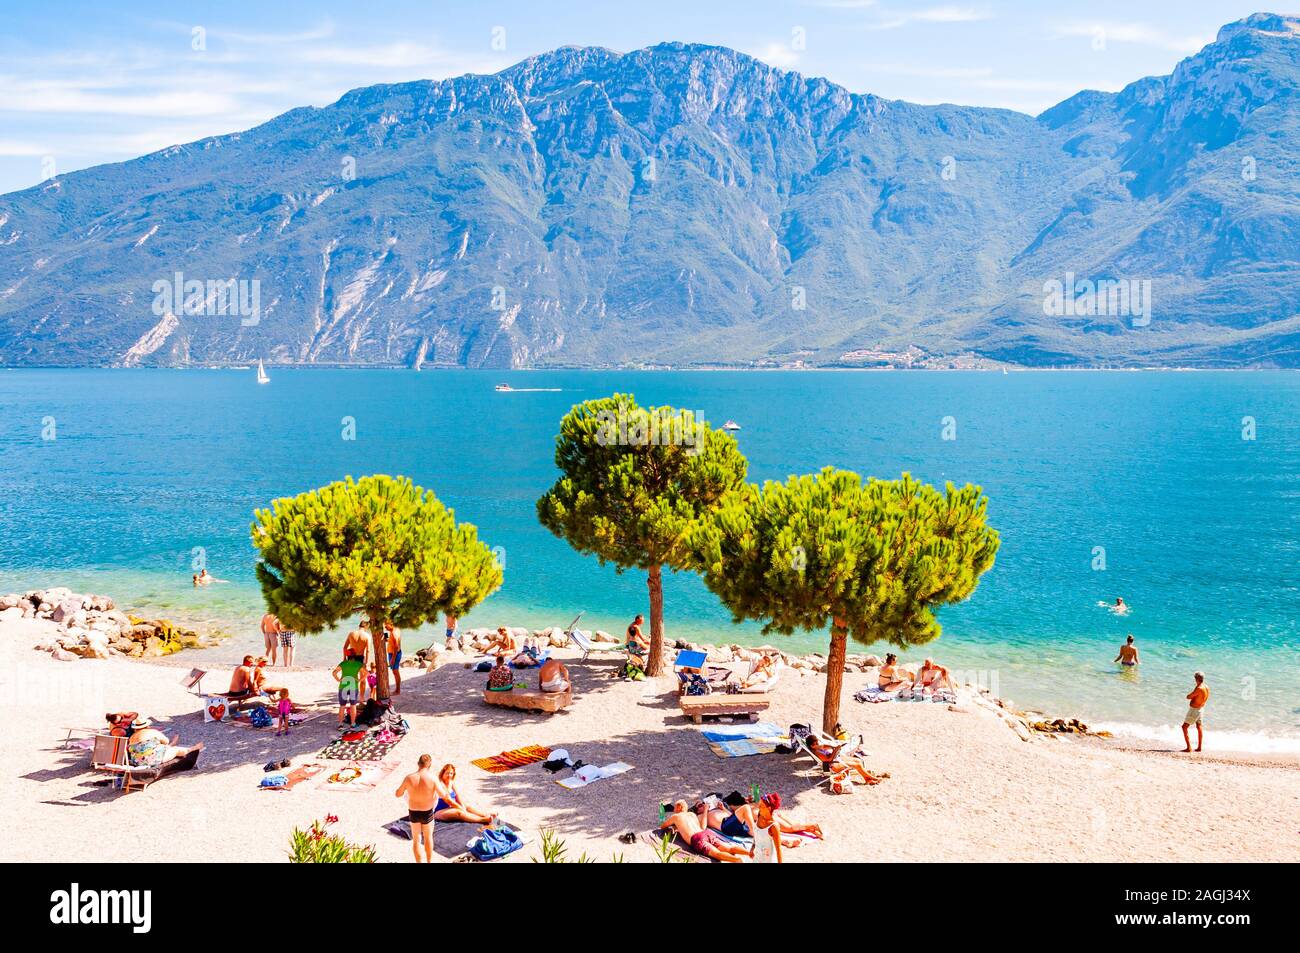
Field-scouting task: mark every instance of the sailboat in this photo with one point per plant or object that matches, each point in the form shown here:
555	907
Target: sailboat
731	425
261	374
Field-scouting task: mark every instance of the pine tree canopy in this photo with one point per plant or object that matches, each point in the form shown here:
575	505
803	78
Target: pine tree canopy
878	557
378	545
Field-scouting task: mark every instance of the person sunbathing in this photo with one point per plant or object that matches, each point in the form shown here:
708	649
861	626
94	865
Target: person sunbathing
891	677
637	644
451	808
932	675
833	762
764	671
503	643
149	747
528	656
553	677
702	839
260	687
741	821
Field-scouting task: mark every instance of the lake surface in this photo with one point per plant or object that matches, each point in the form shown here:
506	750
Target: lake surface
1200	527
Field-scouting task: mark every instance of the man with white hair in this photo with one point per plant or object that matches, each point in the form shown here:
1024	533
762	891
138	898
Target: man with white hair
1196	700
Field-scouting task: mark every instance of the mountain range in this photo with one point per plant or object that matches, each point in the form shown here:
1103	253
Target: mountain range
688	205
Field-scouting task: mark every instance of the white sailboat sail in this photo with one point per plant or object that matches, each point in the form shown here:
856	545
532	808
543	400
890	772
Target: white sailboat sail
261	374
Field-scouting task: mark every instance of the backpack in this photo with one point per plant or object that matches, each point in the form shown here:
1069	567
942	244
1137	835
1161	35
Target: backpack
697	686
494	842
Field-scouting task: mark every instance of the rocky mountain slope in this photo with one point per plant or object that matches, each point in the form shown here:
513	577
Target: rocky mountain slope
688	205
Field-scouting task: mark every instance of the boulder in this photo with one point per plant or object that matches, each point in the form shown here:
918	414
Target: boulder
11	613
872	661
600	635
63	655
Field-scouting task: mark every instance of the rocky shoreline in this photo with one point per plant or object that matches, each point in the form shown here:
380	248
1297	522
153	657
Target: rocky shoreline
91	626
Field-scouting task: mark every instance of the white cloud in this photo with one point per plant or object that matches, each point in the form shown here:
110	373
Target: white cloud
775	54
1131	32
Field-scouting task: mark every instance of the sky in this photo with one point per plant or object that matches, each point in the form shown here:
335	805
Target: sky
82	83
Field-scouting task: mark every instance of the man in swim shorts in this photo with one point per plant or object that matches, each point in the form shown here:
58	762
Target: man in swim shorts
422	790
703	841
393	644
1128	653
1196	700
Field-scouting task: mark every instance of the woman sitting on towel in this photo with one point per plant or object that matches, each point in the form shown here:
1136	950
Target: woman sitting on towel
149	747
451	808
503	643
553	677
891	678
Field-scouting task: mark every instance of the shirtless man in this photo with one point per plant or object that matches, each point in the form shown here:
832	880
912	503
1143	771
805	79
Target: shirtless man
1196	700
637	643
270	635
242	681
422	790
1120	607
764	671
553	676
357	643
890	678
933	675
702	840
1128	653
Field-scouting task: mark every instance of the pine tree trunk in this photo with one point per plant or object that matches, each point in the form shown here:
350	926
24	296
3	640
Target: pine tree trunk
655	583
381	656
835	675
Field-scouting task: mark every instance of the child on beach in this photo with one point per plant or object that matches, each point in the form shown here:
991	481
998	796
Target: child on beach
348	674
285	708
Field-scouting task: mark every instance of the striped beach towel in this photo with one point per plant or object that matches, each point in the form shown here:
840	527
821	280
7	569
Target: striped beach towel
513	759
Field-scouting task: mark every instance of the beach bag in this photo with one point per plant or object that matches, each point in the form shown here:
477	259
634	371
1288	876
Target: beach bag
495	842
841	783
259	717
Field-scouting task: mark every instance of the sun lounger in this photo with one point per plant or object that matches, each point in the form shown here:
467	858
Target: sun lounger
584	642
800	742
765	687
109	757
530	699
699	707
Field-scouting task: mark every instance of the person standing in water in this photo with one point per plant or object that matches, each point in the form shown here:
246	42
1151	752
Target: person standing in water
1196	700
1128	653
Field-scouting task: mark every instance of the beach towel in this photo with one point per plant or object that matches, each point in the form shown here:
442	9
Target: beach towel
368	748
874	695
304	772
653	838
531	754
357	776
590	774
537	664
451	839
742	741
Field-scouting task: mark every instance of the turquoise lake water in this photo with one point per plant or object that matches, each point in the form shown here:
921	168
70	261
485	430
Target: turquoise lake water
1201	528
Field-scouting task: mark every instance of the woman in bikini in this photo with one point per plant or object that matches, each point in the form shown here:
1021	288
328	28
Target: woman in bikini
451	807
890	678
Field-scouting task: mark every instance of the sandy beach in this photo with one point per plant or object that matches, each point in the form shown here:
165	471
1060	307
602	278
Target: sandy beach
962	786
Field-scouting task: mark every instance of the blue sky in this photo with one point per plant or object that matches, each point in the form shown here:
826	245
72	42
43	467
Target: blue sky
88	82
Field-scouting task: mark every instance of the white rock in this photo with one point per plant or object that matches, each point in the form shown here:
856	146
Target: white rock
63	655
600	635
11	613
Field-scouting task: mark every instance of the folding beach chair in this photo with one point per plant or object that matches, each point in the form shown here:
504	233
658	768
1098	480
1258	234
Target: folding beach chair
801	734
193	682
584	642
